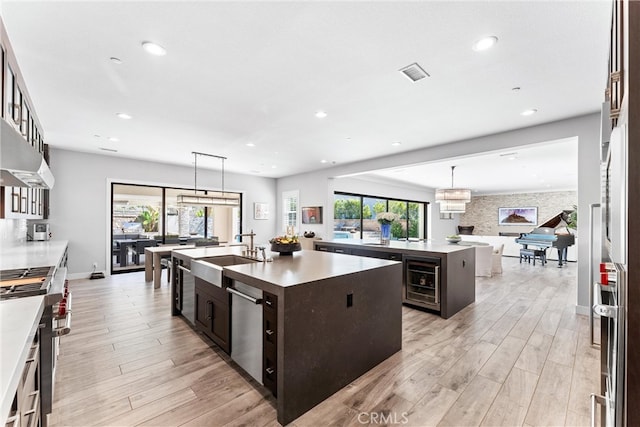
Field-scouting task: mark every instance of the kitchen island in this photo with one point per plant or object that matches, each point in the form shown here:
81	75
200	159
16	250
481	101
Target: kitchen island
438	276
327	319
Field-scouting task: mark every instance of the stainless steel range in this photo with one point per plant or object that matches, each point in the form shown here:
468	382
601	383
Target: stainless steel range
51	283
25	282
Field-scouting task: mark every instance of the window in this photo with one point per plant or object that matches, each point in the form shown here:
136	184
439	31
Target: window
355	217
290	209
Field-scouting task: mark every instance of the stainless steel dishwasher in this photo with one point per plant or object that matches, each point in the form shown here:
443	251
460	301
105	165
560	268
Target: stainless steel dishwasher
246	328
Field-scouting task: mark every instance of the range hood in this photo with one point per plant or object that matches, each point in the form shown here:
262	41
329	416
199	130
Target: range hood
20	164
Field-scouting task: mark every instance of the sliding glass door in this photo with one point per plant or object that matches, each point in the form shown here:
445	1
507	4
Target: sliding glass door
143	216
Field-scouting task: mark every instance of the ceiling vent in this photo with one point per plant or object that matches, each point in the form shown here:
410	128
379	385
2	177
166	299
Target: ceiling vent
414	72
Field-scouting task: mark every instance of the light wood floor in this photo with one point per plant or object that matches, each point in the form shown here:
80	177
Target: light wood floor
518	356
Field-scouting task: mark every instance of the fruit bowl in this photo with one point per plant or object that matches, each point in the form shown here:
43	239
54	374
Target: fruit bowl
285	245
286	248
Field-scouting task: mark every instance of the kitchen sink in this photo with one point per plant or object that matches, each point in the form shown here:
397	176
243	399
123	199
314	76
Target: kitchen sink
225	260
210	269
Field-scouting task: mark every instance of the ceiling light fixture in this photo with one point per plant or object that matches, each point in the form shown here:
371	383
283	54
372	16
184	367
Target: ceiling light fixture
485	43
396	144
213	199
529	112
453	200
251	144
323	161
154	49
321	114
124	116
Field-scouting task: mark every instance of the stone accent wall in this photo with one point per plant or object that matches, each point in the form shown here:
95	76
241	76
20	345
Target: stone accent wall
482	211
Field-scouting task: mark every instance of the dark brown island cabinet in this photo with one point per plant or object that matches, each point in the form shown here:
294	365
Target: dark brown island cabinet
323	320
213	314
439	277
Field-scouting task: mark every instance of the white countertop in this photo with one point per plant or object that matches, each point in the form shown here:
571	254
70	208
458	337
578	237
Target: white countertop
19	320
20	317
32	254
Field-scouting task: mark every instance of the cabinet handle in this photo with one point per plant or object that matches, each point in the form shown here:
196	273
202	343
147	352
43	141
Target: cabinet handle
209	310
270	371
268	302
269	332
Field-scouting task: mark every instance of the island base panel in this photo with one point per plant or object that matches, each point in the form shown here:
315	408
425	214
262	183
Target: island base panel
327	344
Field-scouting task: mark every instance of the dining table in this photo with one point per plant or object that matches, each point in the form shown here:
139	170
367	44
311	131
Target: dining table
153	257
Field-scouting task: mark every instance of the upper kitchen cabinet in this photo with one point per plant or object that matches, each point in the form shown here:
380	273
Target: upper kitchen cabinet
25	177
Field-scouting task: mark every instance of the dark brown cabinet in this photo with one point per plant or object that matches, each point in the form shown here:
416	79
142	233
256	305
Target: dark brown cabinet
213	314
270	342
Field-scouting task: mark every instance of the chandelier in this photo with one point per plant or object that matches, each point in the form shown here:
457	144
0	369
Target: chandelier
216	198
453	200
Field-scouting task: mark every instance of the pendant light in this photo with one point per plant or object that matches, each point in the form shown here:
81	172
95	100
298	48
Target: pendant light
453	200
216	198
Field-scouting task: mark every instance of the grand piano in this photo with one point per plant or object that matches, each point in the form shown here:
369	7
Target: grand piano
549	235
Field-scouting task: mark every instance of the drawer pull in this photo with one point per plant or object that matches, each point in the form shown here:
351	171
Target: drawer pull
270	371
269	332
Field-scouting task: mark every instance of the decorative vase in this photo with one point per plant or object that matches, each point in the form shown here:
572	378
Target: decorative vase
385	234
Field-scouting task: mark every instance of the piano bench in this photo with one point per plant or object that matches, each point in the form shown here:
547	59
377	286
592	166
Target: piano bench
529	254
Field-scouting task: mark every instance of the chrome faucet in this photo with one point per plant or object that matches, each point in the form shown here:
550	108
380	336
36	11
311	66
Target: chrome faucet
253	253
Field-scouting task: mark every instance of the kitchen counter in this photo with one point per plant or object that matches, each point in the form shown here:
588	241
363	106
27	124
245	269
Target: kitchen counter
333	318
19	320
300	268
20	317
32	254
453	265
408	247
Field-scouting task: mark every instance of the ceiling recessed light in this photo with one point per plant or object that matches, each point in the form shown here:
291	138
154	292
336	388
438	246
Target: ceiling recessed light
274	167
323	161
529	112
485	43
113	139
124	116
116	60
251	144
397	143
154	49
321	114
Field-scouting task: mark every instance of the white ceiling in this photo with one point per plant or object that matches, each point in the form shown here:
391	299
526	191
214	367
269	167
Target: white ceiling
256	72
550	166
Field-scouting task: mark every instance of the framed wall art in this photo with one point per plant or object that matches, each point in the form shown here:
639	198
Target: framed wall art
260	211
518	216
312	215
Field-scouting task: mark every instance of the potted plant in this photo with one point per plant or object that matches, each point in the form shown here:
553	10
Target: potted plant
572	220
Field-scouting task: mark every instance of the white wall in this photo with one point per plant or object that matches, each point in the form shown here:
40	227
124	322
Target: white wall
80	199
